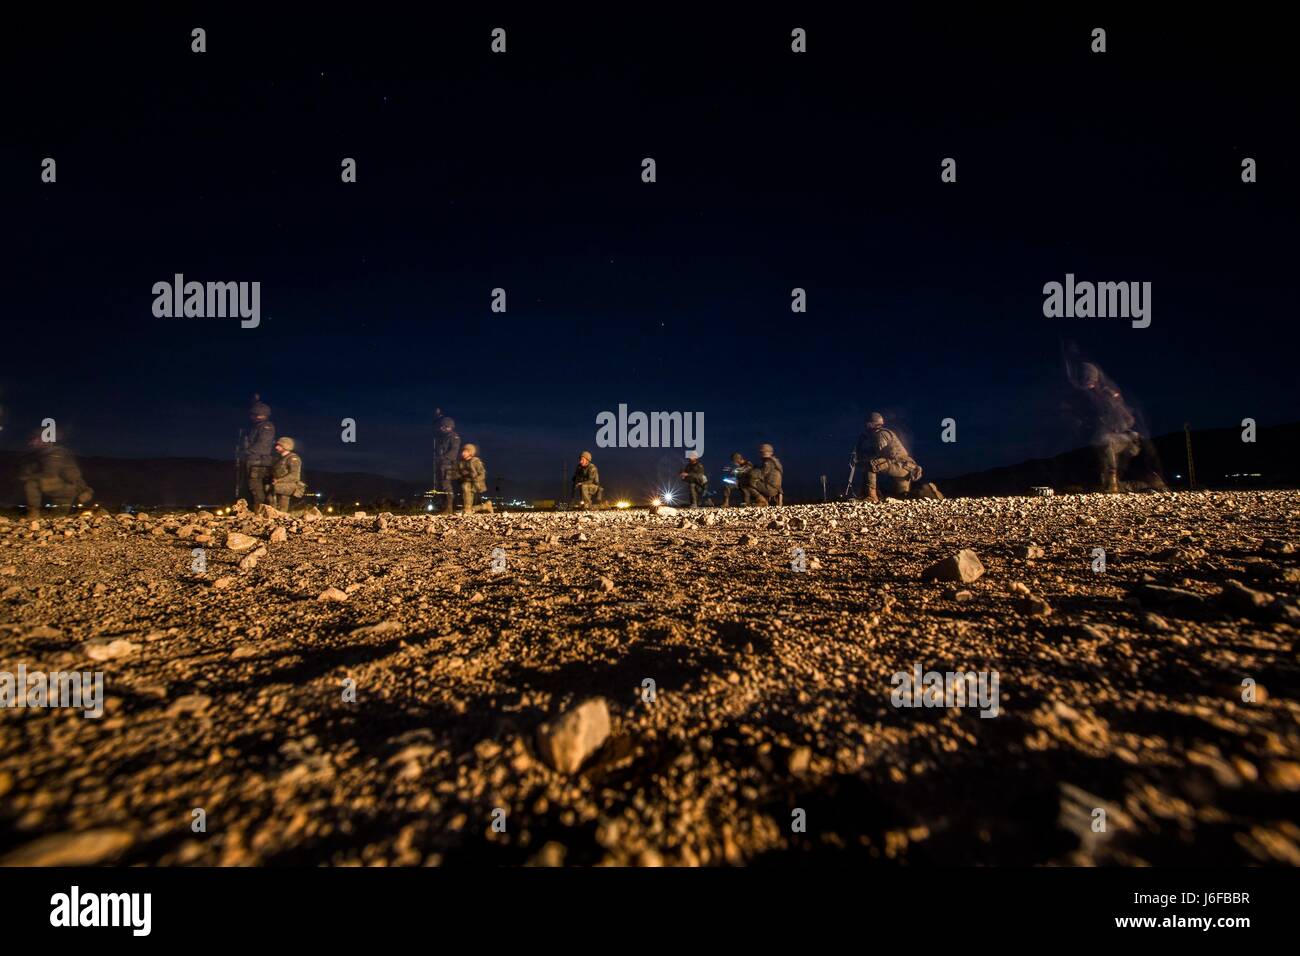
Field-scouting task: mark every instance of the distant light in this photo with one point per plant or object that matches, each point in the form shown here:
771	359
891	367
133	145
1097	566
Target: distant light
668	496
357	503
330	509
656	502
624	504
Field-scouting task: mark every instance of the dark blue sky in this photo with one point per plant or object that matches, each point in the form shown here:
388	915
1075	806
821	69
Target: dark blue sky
523	171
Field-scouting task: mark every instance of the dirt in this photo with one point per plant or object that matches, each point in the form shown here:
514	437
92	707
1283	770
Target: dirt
1155	695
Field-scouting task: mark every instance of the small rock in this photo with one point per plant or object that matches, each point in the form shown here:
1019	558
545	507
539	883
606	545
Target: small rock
964	566
88	848
332	594
566	743
103	649
191	705
800	759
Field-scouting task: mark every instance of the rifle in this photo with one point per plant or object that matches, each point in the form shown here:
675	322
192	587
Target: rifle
239	474
853	467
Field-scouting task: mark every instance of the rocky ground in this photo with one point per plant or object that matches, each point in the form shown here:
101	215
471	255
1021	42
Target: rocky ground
396	690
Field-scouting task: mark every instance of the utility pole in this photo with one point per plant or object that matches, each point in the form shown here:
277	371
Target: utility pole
1191	468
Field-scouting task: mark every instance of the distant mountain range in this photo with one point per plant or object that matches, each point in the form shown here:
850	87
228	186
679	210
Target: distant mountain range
1221	458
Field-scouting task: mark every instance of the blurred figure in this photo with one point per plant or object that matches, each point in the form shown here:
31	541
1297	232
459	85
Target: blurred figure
735	477
1115	431
257	449
446	455
765	479
696	480
472	475
586	481
880	450
48	470
286	473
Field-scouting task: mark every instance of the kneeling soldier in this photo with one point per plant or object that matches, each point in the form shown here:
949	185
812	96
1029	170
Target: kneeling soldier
586	480
696	480
286	474
735	477
882	452
48	470
765	478
472	476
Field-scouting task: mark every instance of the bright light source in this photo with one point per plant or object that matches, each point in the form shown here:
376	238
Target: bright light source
656	502
623	504
668	496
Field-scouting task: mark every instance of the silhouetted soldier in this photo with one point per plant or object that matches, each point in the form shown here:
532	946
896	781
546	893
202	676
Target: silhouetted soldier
48	470
258	451
446	460
1116	437
739	470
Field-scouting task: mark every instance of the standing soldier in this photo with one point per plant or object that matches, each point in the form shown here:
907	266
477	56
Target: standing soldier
446	460
586	481
48	470
765	478
696	480
1117	434
257	449
472	476
735	477
286	474
880	450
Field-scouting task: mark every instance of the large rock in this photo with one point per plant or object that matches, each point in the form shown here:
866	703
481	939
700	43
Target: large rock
964	566
571	739
240	542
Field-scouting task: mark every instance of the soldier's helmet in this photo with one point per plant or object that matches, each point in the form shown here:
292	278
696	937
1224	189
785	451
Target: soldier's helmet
447	423
737	457
285	442
766	449
260	409
876	419
586	455
1089	375
692	456
470	447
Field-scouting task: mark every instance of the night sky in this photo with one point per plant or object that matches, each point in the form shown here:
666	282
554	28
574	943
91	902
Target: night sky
523	171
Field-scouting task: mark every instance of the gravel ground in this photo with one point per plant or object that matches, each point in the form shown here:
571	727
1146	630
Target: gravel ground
769	735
